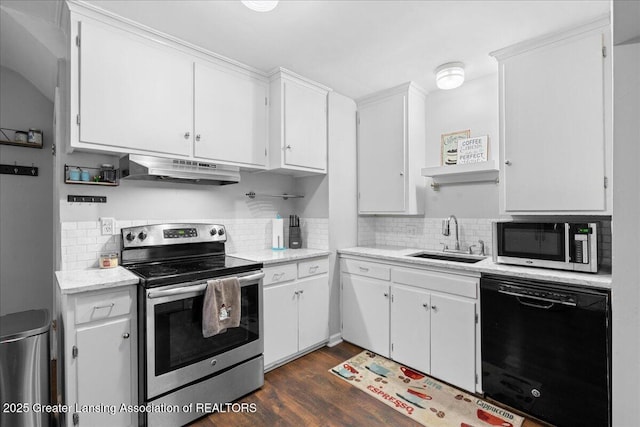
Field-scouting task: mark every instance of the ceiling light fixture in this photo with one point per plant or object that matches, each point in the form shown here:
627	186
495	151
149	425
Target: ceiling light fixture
450	75
261	5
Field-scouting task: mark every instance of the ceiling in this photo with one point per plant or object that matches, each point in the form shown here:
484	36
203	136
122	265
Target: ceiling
354	47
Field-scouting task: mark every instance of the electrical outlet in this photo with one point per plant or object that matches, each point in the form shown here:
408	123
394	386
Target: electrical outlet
108	226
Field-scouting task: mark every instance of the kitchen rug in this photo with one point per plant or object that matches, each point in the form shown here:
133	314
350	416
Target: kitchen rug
421	398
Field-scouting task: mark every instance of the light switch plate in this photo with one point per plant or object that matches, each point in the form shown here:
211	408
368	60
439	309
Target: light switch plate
108	226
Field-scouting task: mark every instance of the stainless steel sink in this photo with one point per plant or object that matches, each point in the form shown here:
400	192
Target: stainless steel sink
469	259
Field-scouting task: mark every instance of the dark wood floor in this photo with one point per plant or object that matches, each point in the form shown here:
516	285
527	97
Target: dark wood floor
304	393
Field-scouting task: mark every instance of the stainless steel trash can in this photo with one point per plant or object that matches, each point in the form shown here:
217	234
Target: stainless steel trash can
24	368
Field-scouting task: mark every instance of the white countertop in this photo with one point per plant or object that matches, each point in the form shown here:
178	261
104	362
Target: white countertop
400	254
75	281
269	256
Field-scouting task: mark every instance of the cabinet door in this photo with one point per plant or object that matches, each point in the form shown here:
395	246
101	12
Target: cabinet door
554	128
104	372
410	327
230	116
381	155
313	311
280	322
134	93
365	313
453	343
305	126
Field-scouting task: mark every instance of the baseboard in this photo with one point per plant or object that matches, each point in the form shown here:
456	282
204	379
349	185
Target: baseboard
334	340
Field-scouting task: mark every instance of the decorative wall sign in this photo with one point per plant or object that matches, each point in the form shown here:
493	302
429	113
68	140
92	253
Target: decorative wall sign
449	146
473	150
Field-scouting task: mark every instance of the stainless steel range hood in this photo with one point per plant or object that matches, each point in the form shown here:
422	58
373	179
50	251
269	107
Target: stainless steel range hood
133	166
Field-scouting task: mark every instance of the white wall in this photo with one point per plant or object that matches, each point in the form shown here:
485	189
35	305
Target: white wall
474	106
626	234
26	203
343	207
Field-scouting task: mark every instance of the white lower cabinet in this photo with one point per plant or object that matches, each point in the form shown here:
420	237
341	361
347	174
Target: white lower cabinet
365	313
99	365
420	318
453	340
296	309
411	327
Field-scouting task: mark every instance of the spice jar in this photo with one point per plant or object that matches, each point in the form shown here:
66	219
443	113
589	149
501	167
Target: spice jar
108	260
35	136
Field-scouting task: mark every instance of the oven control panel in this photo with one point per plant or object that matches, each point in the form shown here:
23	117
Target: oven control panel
180	233
172	234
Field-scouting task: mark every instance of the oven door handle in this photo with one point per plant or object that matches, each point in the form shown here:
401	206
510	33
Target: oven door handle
553	301
199	288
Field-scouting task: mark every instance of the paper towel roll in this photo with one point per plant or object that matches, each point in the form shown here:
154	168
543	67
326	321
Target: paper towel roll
277	234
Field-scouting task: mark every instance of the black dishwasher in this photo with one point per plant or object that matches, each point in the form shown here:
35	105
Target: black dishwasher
546	349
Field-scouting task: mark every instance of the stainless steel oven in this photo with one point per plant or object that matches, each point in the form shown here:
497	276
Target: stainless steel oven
178	367
177	353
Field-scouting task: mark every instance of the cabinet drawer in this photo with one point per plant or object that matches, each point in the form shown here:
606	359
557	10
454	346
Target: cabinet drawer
369	269
102	306
432	280
280	273
313	267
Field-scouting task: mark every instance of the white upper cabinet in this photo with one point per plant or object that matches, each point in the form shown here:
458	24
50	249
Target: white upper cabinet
555	120
230	116
298	125
391	151
136	91
134	94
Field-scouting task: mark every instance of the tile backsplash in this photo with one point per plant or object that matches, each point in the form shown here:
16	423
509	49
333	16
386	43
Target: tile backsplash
426	233
82	242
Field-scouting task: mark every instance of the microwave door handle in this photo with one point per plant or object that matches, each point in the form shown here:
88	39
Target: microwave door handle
567	243
199	288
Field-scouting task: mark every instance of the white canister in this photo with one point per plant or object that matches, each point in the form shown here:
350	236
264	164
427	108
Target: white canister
277	242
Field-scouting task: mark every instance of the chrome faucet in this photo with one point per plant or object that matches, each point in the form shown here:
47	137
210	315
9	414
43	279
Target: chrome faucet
445	230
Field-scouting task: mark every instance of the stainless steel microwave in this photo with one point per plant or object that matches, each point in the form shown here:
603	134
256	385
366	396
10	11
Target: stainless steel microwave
561	245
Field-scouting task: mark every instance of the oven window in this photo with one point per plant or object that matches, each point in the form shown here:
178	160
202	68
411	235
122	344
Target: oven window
178	335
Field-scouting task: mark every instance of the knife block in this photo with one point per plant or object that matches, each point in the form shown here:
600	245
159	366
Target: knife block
295	238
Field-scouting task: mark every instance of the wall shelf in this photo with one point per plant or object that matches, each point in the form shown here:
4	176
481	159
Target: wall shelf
7	137
456	174
285	196
93	179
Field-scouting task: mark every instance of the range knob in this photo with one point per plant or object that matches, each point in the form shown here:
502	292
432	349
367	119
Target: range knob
213	231
142	235
221	232
130	236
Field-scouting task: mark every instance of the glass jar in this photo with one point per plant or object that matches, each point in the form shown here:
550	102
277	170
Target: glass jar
108	260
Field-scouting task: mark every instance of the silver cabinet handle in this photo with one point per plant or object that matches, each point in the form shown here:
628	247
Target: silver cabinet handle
313	269
302	291
363	268
434	308
386	294
98	307
197	137
126	335
187	135
507	162
401	173
425	305
288	147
